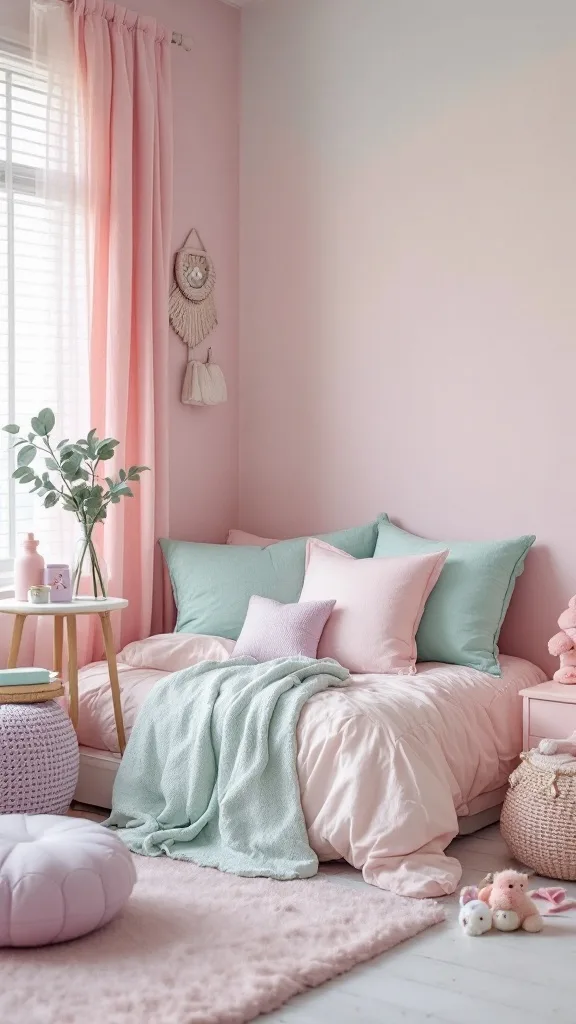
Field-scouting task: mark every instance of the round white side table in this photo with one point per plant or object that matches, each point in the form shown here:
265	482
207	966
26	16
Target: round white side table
102	607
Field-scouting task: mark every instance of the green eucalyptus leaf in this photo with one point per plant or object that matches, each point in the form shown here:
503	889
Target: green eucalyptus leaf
43	423
51	499
115	499
71	464
105	453
46	416
122	474
61	443
11	428
24	475
26	455
124	490
51	464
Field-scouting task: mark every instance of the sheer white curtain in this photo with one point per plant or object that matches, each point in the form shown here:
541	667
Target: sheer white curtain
60	375
62	371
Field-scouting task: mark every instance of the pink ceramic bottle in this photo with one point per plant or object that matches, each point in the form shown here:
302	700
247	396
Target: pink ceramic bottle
28	568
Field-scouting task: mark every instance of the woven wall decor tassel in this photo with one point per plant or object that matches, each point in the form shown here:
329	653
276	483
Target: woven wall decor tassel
191	304
204	383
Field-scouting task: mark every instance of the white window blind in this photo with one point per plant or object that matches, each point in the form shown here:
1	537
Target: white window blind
36	369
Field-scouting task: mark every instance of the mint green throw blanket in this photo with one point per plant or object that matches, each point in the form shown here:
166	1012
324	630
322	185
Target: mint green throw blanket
209	773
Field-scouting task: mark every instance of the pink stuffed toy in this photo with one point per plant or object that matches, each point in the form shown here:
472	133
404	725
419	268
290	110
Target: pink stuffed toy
563	645
510	903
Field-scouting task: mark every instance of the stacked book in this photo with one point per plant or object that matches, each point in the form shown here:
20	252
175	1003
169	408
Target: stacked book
28	685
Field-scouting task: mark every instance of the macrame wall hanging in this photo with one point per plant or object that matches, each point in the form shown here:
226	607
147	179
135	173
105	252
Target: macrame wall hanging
192	309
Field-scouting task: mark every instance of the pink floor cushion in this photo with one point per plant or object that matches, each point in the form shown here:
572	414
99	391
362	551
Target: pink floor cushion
60	878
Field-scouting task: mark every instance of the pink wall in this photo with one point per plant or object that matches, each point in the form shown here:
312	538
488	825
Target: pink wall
408	339
204	442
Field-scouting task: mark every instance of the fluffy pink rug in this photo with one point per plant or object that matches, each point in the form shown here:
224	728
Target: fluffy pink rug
196	946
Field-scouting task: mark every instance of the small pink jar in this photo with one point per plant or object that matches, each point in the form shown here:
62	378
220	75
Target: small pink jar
57	577
28	568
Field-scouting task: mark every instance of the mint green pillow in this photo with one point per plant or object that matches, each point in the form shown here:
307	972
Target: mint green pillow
213	583
463	615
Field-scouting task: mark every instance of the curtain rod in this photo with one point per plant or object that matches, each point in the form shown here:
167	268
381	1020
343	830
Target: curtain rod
178	39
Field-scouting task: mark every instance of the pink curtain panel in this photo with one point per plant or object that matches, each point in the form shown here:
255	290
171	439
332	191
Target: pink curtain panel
124	64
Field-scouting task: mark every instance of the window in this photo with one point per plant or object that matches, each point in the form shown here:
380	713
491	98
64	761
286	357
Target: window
35	365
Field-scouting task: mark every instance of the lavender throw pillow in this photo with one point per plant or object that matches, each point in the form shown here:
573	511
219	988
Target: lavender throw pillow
274	630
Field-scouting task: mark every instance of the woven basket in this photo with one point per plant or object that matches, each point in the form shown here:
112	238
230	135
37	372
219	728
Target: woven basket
538	821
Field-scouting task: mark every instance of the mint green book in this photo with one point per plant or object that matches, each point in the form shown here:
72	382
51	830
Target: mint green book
24	676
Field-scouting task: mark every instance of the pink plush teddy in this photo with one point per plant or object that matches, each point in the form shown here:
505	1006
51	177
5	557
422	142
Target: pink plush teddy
510	903
563	645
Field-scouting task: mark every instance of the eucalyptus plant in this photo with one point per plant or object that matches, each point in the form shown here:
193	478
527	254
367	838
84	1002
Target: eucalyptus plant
71	478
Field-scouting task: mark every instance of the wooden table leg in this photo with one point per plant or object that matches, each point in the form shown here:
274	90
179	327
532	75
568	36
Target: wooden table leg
58	642
72	669
113	673
17	628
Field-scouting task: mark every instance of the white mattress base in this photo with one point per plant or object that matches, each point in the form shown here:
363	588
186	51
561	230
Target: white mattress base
98	770
96	777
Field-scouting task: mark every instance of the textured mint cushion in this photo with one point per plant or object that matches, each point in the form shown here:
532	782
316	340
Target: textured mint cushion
213	583
464	613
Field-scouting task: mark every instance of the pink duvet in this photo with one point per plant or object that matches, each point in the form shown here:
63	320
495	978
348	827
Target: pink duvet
385	764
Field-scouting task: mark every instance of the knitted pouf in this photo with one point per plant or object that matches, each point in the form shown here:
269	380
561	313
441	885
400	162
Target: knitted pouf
38	759
538	821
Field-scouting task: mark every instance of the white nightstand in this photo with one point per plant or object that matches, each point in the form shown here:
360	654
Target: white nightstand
549	713
69	610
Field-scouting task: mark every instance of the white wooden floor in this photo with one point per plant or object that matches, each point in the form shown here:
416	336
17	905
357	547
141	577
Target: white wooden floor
441	975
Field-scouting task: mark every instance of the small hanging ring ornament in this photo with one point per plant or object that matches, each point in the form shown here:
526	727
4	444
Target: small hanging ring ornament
191	304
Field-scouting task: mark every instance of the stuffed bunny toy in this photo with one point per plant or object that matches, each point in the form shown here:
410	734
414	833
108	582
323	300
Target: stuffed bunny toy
475	916
510	903
563	645
567	746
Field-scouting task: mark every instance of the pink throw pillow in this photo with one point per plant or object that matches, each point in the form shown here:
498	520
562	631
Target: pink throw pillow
274	630
238	537
379	604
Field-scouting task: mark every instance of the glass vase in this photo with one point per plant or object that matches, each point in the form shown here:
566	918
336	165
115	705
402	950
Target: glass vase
88	566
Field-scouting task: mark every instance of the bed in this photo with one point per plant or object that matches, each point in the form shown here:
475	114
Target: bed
388	766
